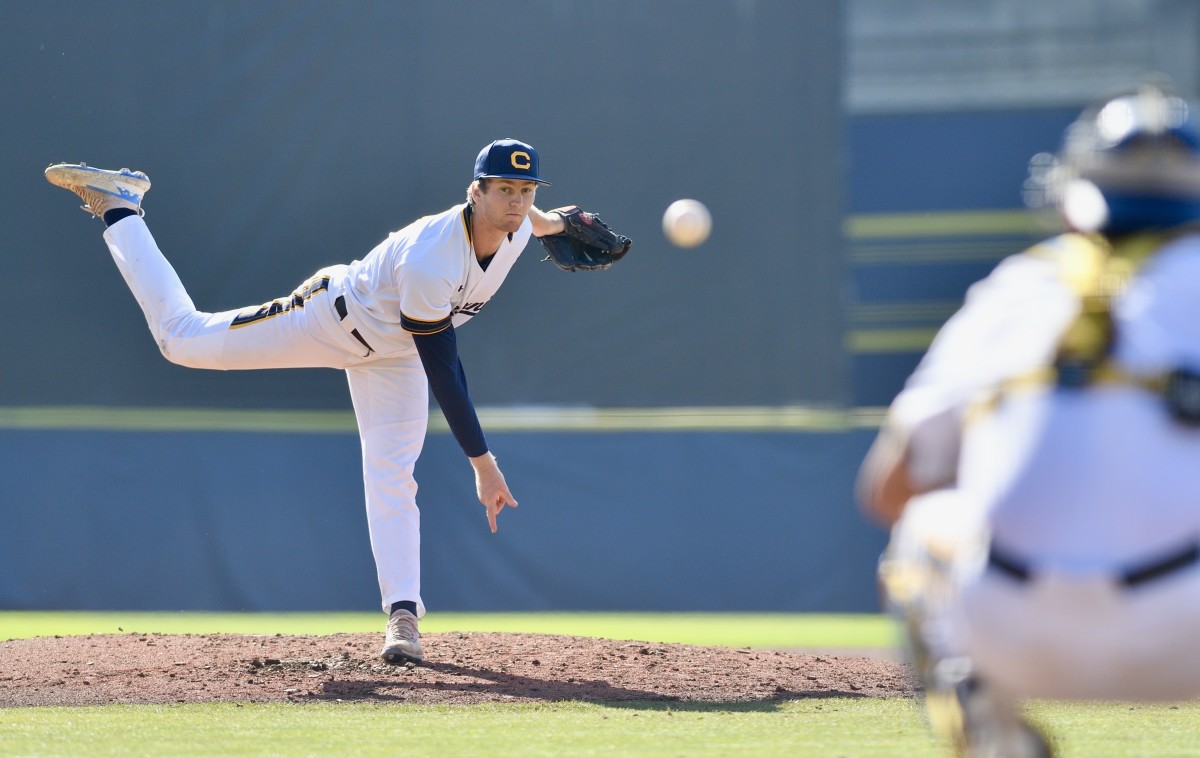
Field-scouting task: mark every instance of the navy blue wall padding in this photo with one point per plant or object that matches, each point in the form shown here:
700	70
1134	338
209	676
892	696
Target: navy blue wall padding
253	521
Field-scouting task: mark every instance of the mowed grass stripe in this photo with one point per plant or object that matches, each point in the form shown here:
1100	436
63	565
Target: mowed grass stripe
816	728
759	630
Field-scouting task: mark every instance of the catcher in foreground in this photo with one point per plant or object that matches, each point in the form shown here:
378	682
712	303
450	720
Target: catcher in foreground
388	320
1038	469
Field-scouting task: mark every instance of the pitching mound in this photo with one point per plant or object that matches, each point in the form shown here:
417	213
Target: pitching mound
459	668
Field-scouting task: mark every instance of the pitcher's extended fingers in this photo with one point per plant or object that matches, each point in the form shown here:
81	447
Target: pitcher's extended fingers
491	515
493	510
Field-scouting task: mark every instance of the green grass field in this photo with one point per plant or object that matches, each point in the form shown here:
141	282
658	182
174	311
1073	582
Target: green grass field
819	728
760	630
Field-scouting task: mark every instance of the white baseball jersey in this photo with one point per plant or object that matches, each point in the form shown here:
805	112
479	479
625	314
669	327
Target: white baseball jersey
1084	478
1083	485
424	277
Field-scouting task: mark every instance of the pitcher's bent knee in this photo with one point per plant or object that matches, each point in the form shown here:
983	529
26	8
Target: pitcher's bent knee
185	341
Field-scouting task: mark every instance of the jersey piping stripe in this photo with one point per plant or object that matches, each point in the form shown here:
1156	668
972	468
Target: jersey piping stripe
283	305
417	326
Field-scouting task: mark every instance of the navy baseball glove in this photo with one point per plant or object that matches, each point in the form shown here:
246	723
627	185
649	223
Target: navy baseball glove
586	244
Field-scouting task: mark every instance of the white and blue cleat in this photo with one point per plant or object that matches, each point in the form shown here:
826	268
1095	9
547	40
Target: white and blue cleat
101	190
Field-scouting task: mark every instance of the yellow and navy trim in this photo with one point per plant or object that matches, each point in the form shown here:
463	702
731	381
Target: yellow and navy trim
1095	270
466	220
418	326
1105	374
1048	378
283	305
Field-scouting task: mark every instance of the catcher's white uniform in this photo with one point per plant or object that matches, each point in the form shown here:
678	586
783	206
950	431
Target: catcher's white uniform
419	279
1073	530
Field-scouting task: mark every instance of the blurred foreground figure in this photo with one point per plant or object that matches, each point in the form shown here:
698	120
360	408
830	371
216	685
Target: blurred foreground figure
1040	470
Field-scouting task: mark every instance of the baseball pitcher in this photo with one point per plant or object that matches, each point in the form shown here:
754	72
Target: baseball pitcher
388	320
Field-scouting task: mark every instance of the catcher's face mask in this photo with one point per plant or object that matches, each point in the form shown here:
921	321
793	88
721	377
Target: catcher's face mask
1131	164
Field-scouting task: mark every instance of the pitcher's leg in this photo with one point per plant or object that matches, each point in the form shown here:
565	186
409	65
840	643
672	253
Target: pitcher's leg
150	277
298	331
391	403
291	335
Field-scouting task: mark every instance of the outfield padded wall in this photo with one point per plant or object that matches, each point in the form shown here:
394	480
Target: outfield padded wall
144	520
285	136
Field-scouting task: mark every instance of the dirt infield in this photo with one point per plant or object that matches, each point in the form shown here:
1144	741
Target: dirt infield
459	668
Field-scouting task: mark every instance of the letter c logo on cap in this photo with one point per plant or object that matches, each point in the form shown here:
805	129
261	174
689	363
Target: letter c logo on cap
520	159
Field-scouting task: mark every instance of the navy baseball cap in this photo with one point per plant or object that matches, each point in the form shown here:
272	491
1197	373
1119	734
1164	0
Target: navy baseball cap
508	159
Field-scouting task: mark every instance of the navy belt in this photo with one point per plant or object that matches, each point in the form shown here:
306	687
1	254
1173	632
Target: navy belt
1139	574
340	305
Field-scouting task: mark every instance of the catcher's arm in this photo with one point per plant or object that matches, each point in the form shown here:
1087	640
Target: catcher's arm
883	486
908	459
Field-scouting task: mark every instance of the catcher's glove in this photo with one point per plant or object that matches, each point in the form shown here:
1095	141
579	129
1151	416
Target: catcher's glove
585	244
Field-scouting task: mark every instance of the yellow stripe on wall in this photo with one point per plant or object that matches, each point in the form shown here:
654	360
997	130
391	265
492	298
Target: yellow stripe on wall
928	250
889	340
707	418
176	419
924	310
947	223
538	419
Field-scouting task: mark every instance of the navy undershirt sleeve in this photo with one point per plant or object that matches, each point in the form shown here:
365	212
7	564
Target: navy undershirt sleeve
439	356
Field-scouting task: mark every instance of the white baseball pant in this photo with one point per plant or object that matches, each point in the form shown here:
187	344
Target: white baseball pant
389	393
1051	636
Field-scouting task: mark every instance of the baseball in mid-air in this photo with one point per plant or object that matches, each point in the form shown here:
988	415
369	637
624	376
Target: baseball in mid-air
687	223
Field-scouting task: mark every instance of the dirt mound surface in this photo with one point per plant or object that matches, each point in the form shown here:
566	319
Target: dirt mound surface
459	668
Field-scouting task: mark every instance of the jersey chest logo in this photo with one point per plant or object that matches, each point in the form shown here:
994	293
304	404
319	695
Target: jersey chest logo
471	309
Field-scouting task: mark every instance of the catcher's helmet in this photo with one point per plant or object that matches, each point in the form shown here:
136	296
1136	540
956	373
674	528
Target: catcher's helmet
1130	164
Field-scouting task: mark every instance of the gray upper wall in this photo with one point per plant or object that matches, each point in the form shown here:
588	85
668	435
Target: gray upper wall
284	136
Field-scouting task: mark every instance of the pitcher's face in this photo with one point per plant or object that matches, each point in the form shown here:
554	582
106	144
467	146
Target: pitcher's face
504	203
